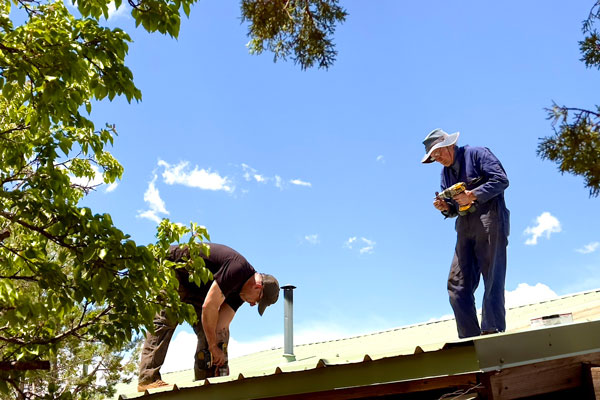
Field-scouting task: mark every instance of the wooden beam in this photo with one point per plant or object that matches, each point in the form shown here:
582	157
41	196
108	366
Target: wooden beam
538	378
591	375
595	372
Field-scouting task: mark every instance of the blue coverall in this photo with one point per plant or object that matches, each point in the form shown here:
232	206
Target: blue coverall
482	237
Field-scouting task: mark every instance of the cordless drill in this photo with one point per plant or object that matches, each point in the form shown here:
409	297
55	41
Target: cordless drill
454	190
205	362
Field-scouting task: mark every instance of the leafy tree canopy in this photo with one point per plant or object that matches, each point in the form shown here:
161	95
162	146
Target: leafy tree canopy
575	145
76	291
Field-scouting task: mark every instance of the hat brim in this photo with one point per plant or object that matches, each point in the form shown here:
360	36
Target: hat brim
262	306
448	141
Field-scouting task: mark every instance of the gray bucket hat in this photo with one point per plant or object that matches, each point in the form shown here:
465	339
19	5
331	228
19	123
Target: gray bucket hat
270	292
437	138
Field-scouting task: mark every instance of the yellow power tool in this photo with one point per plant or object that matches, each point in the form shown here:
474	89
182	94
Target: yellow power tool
452	191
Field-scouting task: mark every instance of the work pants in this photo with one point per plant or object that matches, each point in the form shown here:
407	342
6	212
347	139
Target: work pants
156	345
480	251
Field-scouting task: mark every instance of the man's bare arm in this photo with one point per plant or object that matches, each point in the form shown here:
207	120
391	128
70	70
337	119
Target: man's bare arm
210	319
226	314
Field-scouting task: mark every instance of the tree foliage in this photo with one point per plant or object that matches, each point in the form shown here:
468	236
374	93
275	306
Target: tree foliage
575	145
74	289
76	292
302	28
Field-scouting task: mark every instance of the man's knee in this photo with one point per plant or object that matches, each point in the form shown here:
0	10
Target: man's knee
460	297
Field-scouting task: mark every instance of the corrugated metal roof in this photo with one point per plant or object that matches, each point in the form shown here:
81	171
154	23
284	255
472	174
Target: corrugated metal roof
428	341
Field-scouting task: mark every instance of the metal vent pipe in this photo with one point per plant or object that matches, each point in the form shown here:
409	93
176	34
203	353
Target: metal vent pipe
288	322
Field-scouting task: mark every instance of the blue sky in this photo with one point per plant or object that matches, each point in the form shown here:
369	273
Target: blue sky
315	176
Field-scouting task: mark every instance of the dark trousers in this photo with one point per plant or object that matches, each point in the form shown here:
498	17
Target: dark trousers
480	251
156	345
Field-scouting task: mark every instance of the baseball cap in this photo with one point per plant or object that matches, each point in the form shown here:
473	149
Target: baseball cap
270	292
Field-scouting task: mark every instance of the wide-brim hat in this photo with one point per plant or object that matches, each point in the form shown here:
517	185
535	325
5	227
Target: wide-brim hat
270	292
437	138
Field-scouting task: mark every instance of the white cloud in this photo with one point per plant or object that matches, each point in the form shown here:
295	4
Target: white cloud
369	246
300	183
149	214
252	174
278	182
366	246
197	178
380	159
180	355
113	12
156	204
589	248
111	187
247	169
312	239
152	197
546	224
349	242
525	294
442	318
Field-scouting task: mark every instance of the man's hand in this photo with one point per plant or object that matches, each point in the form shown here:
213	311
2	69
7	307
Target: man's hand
440	204
218	357
465	198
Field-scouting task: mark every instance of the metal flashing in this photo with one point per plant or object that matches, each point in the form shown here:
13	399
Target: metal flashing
496	352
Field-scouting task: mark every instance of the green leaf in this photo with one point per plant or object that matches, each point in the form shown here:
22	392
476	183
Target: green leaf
4	386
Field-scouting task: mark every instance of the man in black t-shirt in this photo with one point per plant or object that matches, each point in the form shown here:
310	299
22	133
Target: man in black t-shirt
234	282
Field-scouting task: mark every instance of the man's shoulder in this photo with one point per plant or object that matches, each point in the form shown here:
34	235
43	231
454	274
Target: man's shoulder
475	151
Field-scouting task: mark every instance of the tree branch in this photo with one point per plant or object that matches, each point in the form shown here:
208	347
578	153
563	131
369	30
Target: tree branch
18	128
37	229
19	278
24	365
581	110
4	234
70	332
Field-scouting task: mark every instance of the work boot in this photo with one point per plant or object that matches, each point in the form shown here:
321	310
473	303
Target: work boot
152	385
490	332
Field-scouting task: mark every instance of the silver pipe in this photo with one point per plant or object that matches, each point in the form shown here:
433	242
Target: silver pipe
288	322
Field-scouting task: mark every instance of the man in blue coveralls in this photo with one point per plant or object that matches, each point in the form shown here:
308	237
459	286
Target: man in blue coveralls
482	234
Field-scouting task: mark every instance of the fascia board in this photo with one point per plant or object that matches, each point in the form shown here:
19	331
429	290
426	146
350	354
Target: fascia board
501	351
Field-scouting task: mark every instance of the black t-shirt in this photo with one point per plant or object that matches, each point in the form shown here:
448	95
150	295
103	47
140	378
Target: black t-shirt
229	268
